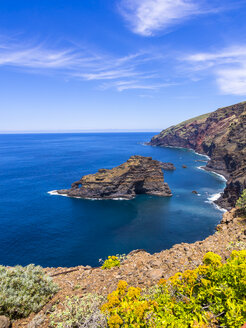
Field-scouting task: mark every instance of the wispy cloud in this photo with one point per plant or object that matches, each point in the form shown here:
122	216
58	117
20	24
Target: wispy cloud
227	65
140	85
121	73
146	17
40	57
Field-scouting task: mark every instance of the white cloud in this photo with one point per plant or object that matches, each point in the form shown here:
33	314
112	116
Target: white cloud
232	81
228	66
227	55
41	57
140	85
146	17
108	74
120	73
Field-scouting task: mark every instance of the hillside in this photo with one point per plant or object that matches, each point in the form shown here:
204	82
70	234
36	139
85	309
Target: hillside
139	269
222	136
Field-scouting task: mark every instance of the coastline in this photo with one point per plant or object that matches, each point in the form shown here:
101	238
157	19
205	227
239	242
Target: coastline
142	269
212	199
215	197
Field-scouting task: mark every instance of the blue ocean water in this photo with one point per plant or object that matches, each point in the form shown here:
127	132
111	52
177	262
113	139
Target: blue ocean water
49	230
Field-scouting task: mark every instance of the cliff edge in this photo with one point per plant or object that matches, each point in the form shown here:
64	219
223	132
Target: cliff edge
222	136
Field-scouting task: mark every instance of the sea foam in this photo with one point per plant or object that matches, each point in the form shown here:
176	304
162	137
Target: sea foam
54	192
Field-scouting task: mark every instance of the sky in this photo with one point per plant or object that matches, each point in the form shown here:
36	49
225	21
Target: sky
105	65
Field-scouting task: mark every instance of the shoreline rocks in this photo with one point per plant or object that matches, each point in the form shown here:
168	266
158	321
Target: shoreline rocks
138	175
167	166
221	135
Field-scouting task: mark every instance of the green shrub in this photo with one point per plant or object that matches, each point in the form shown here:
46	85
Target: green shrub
237	245
79	312
241	202
212	295
113	261
24	290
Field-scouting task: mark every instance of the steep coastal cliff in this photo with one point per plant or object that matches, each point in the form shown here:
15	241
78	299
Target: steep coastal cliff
138	175
222	136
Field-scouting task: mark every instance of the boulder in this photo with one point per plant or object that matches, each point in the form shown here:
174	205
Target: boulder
4	322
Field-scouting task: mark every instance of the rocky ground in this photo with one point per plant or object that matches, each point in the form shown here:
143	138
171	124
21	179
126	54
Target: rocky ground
141	268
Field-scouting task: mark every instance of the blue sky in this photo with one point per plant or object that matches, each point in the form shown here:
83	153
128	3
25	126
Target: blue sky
118	64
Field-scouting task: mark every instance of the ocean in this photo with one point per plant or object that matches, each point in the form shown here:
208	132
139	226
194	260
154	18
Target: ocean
51	230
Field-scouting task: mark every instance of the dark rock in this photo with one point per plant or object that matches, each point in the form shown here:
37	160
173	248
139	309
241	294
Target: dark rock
194	192
222	136
4	322
166	166
184	166
138	175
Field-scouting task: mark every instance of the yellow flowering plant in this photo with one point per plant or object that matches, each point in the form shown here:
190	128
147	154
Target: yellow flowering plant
212	295
113	261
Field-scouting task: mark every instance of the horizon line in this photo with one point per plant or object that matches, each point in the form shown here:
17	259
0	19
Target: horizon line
78	131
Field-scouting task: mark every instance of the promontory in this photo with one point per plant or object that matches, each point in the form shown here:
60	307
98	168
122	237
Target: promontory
222	136
138	175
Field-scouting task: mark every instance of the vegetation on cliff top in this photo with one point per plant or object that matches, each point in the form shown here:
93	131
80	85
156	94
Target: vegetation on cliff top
212	295
241	202
172	129
79	312
113	261
24	290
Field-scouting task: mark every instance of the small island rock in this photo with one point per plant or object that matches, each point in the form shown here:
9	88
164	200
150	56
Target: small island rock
166	166
138	175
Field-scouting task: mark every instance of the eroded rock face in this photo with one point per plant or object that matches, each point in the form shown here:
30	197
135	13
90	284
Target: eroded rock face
138	175
222	136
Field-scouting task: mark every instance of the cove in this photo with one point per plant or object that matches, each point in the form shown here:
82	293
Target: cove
51	230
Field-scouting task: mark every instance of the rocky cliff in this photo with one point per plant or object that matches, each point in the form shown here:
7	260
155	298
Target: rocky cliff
222	136
138	175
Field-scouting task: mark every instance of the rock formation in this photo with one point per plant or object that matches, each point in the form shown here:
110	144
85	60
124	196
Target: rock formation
166	166
222	136
138	175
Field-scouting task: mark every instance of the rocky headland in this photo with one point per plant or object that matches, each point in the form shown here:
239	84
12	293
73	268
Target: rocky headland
138	175
222	136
